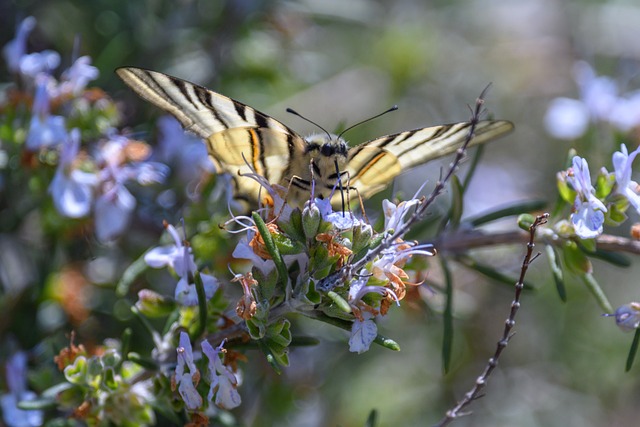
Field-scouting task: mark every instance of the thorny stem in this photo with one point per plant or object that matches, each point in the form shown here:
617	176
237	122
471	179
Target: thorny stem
346	273
481	381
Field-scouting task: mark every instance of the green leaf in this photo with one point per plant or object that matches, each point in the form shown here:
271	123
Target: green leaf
130	275
632	351
371	419
597	292
457	206
604	184
447	332
491	272
509	210
281	267
556	270
575	259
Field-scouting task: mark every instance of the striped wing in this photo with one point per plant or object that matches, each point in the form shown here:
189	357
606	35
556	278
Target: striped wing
232	130
373	164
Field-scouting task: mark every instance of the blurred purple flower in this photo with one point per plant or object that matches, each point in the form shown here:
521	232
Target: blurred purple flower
566	118
186	153
599	101
113	210
17	48
115	204
44	130
16	377
72	189
76	78
34	64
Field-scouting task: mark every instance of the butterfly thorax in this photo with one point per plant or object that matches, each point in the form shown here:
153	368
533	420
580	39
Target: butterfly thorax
325	159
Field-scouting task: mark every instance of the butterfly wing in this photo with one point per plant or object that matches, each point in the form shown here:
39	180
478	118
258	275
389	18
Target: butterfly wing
373	164
232	130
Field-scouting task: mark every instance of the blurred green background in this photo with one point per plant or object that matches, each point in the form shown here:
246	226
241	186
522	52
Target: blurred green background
338	62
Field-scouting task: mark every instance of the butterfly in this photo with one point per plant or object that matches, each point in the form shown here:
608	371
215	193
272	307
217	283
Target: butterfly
240	138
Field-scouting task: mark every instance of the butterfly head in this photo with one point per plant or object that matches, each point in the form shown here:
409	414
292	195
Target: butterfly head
327	149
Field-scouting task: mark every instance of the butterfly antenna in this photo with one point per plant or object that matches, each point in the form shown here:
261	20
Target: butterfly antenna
295	113
394	108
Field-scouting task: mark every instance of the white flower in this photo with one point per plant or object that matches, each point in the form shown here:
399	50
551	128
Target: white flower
180	258
223	382
187	375
363	332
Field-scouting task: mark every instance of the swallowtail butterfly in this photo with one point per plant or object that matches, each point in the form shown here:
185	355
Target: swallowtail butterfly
236	134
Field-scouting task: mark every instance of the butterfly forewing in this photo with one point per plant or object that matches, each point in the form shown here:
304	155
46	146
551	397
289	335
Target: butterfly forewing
235	133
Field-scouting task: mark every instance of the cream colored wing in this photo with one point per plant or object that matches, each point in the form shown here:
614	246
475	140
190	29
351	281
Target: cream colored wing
373	164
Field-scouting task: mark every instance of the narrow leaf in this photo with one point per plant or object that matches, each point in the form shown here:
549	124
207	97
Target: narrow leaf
509	210
556	270
632	351
447	335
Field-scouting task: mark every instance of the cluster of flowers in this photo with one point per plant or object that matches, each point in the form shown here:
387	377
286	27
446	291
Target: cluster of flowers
61	114
600	102
290	251
608	201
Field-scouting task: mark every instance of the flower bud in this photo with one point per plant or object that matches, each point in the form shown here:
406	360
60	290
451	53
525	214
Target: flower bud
311	220
152	304
361	237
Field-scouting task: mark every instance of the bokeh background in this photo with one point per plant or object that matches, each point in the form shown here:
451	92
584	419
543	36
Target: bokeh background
338	62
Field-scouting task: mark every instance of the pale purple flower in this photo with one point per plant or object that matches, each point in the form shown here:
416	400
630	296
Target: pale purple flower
72	189
187	375
588	217
76	78
179	257
363	332
622	162
44	130
599	102
16	377
17	48
222	380
625	114
598	93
